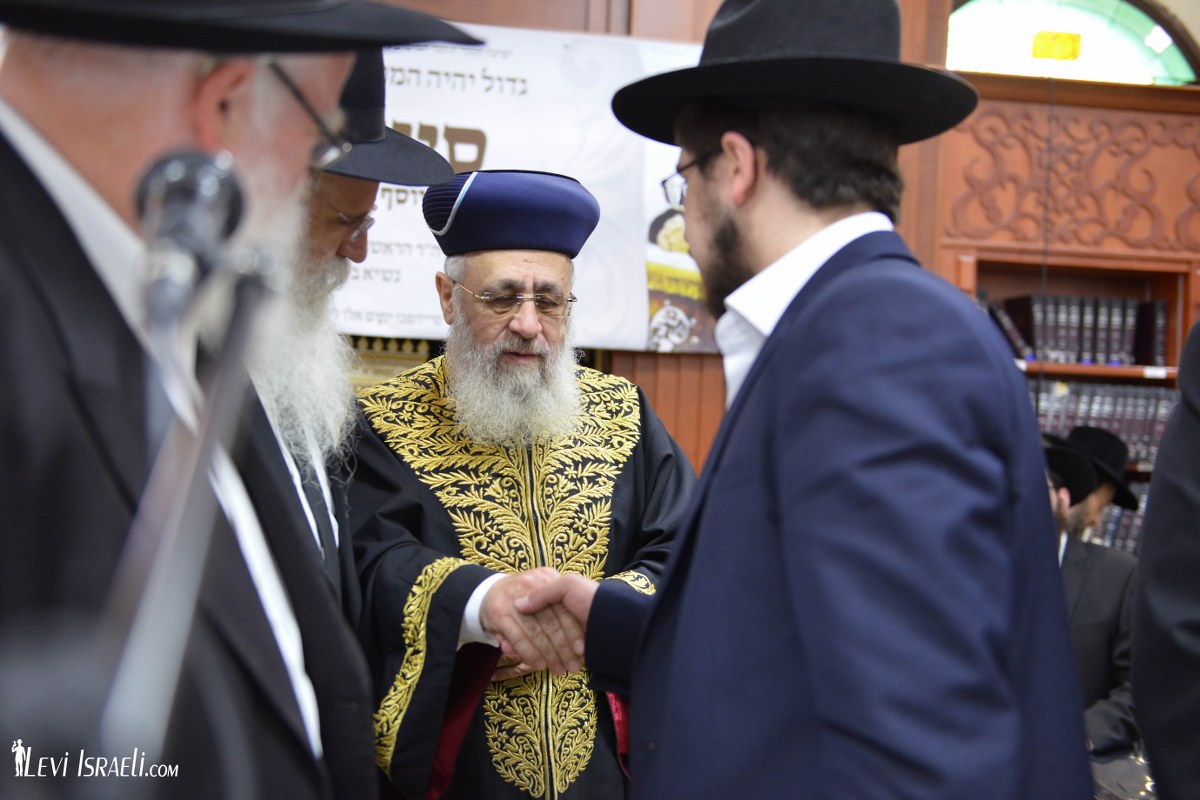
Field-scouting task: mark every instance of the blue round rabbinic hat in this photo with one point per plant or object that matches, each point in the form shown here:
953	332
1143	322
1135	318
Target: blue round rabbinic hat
511	210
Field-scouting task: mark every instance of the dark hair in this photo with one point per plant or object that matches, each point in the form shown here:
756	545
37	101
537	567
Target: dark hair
1055	479
829	157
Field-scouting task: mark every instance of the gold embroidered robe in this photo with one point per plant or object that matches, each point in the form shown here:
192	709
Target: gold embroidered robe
433	514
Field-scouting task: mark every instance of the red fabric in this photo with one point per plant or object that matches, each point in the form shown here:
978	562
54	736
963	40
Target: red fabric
620	712
472	670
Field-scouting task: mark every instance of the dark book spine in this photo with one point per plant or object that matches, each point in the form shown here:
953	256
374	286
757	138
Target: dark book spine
1116	331
1074	311
1129	331
1150	336
1087	330
1026	314
1020	346
1102	308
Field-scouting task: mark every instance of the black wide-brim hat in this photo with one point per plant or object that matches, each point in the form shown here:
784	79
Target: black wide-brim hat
379	153
800	54
232	26
1110	457
1073	467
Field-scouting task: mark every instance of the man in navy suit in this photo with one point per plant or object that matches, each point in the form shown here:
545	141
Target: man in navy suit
864	601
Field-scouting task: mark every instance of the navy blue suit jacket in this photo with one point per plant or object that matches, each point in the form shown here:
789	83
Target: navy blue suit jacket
1166	636
866	601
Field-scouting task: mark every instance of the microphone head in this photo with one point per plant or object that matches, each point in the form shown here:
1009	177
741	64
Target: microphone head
191	200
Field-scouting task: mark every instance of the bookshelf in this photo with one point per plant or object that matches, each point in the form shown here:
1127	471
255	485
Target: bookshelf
1086	196
1002	274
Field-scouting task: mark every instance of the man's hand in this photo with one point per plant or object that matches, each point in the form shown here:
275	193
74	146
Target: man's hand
510	667
543	639
573	593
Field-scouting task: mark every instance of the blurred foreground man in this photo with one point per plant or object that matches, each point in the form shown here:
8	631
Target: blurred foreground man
273	699
864	600
488	470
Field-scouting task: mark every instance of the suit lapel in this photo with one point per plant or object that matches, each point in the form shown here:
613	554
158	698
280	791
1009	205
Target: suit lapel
861	250
107	366
260	464
1074	573
274	492
351	593
332	657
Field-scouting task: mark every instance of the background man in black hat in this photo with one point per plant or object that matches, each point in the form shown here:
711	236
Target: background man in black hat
480	474
1166	638
273	697
1110	457
1100	587
863	600
303	371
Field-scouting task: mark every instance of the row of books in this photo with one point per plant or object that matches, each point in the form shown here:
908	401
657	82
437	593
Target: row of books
1072	329
1120	528
1136	413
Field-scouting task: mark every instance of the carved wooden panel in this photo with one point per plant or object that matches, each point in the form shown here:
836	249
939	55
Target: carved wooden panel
1074	178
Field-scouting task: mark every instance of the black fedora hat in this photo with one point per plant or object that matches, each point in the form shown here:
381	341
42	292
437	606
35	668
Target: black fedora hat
232	26
803	54
1110	457
380	153
1073	467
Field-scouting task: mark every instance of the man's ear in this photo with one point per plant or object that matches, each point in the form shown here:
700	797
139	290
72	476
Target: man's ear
1064	498
221	102
744	166
445	289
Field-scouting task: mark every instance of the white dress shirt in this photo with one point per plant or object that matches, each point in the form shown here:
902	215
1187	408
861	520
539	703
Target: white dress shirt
755	308
118	256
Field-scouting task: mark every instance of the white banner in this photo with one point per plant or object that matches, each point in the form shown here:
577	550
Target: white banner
539	101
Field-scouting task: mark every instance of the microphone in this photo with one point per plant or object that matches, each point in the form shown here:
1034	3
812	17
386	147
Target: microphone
189	204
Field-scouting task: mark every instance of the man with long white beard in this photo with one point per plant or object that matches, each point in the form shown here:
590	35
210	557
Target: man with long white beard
485	472
272	698
303	366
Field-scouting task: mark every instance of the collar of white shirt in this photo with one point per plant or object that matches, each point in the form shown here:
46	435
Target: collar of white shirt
755	308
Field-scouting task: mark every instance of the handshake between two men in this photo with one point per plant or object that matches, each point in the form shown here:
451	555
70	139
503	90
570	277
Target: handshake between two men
539	618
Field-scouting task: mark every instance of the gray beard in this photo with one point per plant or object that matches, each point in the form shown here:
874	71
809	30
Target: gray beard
511	405
302	369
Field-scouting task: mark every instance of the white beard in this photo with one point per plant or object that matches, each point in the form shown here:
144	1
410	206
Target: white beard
511	405
299	363
302	369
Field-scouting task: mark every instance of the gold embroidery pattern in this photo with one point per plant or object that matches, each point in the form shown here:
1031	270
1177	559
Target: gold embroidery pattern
558	703
635	579
416	614
515	508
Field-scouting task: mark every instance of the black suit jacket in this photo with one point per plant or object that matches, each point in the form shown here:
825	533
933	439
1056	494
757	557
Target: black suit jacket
74	461
1166	638
1100	585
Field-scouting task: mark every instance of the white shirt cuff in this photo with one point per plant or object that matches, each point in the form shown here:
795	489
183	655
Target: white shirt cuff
471	629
